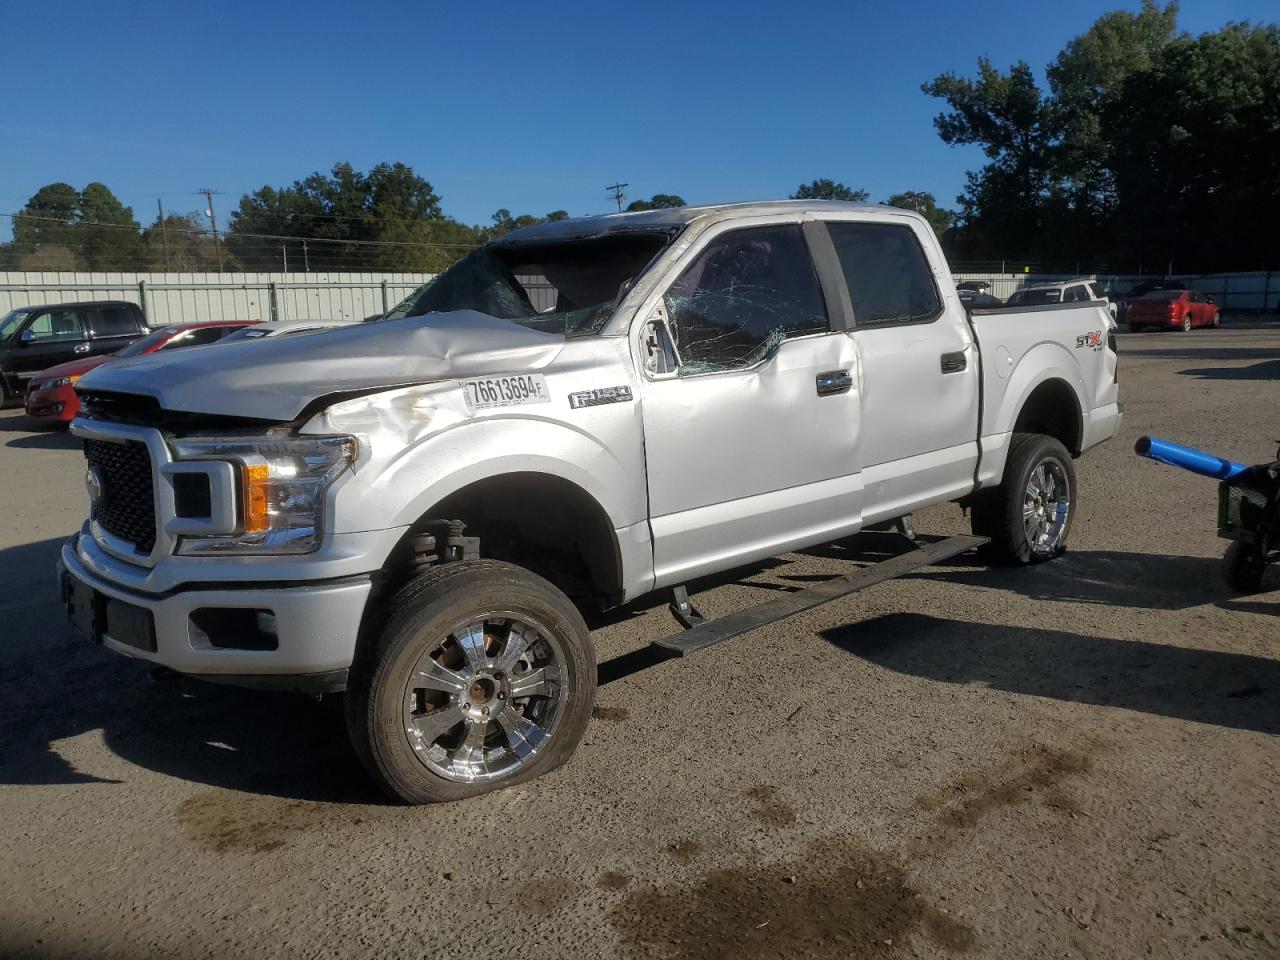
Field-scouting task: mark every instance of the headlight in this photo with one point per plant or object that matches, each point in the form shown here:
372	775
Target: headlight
280	490
59	382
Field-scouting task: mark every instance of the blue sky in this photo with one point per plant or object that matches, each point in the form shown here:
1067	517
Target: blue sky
506	105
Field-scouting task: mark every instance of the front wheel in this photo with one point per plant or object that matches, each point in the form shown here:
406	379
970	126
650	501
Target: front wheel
1028	517
1243	566
1217	319
1186	323
483	676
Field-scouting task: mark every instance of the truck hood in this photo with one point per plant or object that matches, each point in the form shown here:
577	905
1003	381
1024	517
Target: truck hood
276	378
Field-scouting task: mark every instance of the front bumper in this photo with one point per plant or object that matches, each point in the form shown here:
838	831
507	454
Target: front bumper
316	626
60	404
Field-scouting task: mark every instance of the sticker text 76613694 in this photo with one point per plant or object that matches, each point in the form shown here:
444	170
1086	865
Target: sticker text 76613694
483	393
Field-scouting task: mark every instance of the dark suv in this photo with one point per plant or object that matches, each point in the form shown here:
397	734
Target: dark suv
37	337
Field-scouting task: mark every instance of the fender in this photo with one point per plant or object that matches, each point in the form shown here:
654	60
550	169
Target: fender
1006	398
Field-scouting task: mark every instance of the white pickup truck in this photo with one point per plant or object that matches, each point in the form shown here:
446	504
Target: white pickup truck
414	510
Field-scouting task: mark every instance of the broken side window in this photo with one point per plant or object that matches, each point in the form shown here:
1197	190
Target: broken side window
568	287
747	292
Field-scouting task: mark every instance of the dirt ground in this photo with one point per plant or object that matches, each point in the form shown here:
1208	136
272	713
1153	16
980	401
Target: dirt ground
1079	759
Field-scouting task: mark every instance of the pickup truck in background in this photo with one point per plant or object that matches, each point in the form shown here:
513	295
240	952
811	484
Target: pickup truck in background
415	510
38	337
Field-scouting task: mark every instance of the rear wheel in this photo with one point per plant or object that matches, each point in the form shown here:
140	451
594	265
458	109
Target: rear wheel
483	676
1028	517
1217	319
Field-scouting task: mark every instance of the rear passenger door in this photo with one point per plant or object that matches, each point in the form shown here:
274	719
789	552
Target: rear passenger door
919	367
749	403
112	328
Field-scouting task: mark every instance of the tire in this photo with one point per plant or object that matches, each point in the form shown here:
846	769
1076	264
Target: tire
1001	514
444	627
1186	323
1243	566
1217	319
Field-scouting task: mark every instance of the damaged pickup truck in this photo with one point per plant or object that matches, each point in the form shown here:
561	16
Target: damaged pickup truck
415	510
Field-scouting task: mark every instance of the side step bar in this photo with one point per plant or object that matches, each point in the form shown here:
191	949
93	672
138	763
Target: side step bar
710	632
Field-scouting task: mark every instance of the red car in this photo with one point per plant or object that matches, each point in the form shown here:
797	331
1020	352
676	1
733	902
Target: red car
51	394
1173	310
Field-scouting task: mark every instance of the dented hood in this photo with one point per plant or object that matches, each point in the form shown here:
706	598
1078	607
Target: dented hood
276	378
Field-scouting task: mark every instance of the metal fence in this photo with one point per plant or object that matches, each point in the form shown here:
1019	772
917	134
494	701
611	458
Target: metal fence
1257	291
193	297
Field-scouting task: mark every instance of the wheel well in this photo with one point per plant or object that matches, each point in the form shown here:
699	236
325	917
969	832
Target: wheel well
540	522
1052	409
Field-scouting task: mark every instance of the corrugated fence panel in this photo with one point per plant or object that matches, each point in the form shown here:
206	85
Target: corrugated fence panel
194	297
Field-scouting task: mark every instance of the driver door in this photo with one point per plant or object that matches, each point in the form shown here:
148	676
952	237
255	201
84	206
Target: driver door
750	406
48	339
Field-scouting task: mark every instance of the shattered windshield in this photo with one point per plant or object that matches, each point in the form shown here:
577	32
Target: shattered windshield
570	287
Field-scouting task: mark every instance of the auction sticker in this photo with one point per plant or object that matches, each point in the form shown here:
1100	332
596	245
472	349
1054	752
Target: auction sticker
483	393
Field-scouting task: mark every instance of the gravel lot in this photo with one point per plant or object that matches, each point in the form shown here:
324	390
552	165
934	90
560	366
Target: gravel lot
1079	759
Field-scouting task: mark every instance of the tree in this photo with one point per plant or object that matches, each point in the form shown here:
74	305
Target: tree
555	215
388	219
828	190
659	201
48	219
181	244
924	203
1007	115
107	232
1195	153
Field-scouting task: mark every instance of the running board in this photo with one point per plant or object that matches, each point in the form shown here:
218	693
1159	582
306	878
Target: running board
710	632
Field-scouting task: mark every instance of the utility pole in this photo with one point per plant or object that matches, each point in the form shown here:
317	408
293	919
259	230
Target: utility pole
208	193
164	235
617	194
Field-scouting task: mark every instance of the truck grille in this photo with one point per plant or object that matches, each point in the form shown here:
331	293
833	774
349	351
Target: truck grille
126	508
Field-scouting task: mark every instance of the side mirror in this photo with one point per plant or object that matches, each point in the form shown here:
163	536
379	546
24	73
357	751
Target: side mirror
1210	300
659	350
27	336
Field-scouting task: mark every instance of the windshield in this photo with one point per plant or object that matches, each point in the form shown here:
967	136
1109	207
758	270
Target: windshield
570	288
148	343
1035	298
12	320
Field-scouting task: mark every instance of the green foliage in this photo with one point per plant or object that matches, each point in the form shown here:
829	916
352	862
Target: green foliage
828	190
1150	148
61	228
659	201
182	245
925	204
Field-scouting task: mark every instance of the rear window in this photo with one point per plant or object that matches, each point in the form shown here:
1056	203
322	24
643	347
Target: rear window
1163	295
886	271
1035	298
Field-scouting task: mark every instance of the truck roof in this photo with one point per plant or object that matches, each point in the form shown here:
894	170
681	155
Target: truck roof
675	218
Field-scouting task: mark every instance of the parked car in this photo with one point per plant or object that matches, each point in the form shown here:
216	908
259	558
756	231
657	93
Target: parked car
284	328
413	510
1173	310
37	337
979	301
974	286
51	393
1067	291
1124	300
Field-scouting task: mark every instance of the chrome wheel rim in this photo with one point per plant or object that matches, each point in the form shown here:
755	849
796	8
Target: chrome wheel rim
1046	506
486	697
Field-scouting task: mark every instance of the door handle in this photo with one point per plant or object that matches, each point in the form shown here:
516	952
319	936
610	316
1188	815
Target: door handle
954	362
81	348
833	382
